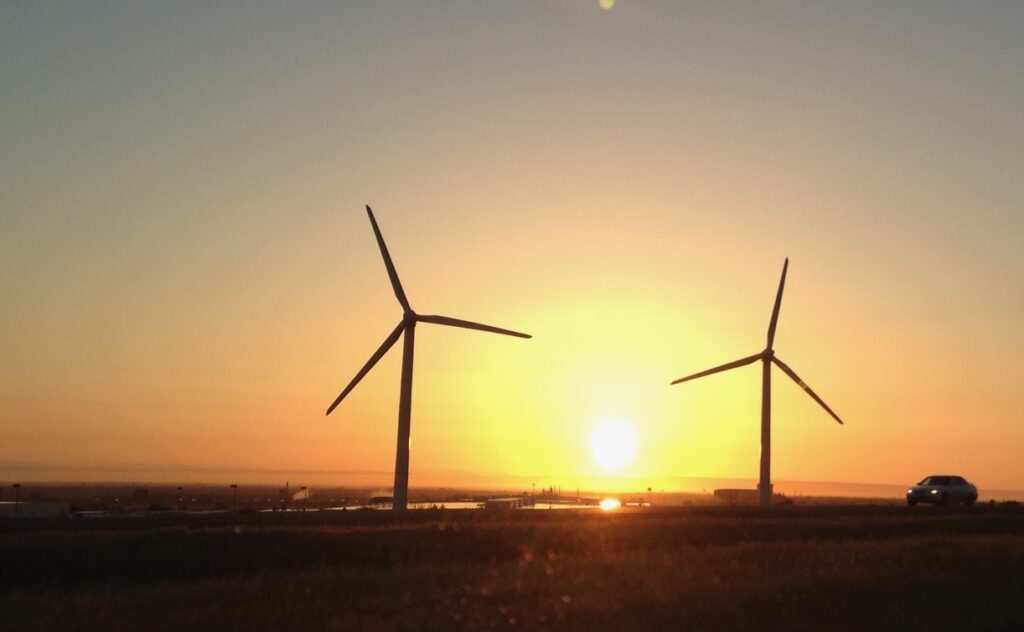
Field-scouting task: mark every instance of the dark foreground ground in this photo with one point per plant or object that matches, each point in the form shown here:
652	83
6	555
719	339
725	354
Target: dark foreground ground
790	568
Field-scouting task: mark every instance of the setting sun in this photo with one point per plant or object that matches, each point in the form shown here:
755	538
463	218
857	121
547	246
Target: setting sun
613	443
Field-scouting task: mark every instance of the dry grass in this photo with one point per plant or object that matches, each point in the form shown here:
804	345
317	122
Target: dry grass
791	569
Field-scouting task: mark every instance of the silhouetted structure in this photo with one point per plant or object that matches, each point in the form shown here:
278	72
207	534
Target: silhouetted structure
407	326
767	357
512	502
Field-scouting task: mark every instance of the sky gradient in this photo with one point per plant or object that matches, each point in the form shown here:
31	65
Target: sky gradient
189	277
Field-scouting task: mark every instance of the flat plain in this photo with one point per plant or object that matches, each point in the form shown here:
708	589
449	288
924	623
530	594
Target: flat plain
813	567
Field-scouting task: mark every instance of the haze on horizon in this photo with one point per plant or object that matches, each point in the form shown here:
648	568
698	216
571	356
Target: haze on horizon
189	276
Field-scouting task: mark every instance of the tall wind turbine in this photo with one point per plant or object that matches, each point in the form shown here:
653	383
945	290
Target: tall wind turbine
406	326
767	357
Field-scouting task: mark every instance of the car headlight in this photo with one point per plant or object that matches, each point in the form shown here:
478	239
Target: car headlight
935	491
910	491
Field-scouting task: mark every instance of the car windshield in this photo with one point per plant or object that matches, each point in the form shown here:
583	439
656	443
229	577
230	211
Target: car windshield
935	480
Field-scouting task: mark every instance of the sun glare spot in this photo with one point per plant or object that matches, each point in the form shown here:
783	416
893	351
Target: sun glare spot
609	504
612	443
606	4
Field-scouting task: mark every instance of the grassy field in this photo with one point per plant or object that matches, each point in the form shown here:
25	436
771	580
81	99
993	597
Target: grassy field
791	568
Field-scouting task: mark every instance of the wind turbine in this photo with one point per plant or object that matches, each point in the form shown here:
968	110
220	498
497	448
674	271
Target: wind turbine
406	326
767	357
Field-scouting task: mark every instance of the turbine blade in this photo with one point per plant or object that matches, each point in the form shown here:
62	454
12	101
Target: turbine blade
778	303
796	378
388	342
719	369
455	322
392	273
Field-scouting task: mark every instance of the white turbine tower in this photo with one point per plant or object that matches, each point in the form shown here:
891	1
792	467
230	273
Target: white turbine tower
767	357
406	326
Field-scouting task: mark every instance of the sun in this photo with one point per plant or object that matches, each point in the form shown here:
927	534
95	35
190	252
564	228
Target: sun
613	443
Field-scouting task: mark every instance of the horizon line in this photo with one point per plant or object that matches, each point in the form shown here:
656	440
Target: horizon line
170	468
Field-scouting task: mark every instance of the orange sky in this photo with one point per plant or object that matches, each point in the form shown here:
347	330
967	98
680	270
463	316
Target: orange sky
190	277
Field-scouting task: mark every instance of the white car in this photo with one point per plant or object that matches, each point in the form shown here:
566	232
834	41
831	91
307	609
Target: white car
942	490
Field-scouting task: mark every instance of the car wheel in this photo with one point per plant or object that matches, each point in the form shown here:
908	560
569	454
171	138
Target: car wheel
970	500
911	502
944	499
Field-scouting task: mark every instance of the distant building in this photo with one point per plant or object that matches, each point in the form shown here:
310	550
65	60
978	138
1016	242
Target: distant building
504	503
737	496
34	510
744	497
